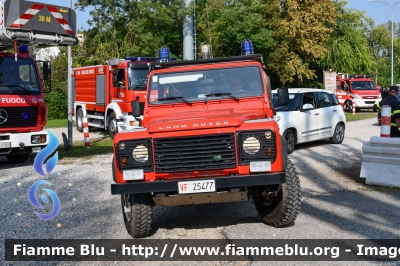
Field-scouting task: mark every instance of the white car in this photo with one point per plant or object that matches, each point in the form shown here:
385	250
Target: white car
312	114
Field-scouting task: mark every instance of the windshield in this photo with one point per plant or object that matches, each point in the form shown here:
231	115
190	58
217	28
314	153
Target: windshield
363	85
282	107
137	78
207	84
18	77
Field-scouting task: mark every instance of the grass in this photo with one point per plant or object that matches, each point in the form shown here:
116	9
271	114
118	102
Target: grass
360	116
97	147
56	123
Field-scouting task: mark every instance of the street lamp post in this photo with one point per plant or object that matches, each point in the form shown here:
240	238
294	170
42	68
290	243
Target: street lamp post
392	6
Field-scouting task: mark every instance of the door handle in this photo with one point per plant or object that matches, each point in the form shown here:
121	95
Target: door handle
316	114
335	110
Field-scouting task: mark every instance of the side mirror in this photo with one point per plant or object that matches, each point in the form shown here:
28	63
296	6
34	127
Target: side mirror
307	106
283	96
46	71
135	108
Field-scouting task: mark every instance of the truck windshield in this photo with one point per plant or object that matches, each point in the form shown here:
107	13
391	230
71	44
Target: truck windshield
137	78
227	83
18	77
363	85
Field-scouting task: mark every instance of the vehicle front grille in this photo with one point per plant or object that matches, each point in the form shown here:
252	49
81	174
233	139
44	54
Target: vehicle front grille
141	106
18	117
195	153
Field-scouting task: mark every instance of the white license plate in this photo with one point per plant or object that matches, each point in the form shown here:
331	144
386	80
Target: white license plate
196	186
260	167
5	145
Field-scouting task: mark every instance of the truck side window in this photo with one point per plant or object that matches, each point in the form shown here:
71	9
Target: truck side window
119	78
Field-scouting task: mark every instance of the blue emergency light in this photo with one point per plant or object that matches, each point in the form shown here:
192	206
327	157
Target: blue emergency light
163	54
23	49
247	47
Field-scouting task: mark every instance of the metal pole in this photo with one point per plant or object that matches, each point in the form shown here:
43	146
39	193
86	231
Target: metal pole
392	47
70	100
392	6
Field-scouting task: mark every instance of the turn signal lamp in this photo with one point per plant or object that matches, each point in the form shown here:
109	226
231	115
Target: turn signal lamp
247	47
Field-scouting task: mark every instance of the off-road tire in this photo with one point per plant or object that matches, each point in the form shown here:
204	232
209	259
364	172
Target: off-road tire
141	214
290	138
338	134
282	210
19	158
79	120
112	125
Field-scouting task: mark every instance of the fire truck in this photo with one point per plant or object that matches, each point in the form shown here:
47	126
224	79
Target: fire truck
103	93
23	113
357	91
207	136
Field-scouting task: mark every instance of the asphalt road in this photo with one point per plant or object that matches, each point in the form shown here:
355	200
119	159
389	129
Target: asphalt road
336	205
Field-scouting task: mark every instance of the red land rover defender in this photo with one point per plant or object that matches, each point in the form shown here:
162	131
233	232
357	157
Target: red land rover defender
207	136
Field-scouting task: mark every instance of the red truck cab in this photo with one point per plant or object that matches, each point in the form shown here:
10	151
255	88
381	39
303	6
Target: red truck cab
357	91
207	136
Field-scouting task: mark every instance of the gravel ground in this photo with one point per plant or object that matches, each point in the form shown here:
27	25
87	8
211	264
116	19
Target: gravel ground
334	204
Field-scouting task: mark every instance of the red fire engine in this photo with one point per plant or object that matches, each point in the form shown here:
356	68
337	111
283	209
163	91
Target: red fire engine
22	111
357	90
103	93
208	135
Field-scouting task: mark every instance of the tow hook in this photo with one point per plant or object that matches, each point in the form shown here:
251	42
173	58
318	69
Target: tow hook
21	146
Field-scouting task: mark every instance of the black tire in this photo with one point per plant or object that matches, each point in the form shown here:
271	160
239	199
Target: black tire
20	158
348	106
282	207
112	125
290	138
79	120
338	134
137	211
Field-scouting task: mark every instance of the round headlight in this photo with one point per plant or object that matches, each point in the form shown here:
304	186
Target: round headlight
140	154
251	145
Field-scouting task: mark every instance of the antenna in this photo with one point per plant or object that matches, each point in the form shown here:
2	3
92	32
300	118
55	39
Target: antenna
209	31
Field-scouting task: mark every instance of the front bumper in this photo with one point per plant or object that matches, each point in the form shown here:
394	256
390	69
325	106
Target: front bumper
220	183
16	143
364	103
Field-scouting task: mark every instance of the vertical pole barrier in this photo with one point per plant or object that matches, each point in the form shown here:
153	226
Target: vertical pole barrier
385	121
86	133
354	108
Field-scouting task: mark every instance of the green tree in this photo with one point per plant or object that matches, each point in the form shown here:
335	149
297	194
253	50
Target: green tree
348	48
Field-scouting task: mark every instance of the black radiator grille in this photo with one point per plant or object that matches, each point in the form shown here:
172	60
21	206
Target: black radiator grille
195	153
141	106
18	116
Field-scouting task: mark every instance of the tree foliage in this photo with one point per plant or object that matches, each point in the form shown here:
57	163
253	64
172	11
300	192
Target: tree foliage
298	39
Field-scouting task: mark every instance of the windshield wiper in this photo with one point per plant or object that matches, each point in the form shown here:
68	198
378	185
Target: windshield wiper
175	98
17	86
222	94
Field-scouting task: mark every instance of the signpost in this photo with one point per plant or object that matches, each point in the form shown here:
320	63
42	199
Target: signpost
330	81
